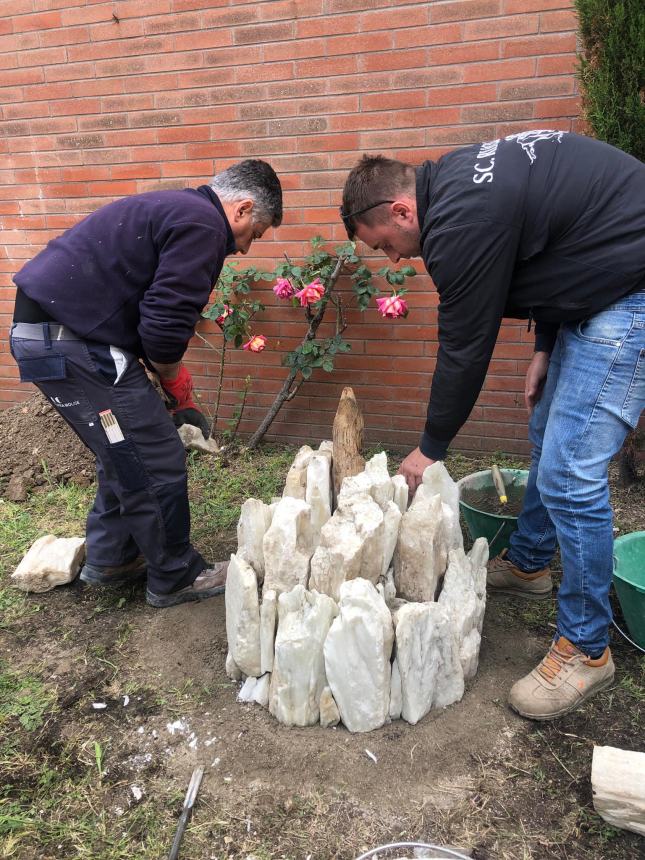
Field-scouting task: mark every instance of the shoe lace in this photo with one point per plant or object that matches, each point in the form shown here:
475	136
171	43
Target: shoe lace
551	665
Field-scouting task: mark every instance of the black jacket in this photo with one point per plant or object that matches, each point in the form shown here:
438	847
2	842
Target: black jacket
136	273
542	225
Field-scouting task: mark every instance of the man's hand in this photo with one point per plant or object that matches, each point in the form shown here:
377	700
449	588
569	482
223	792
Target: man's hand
413	467
535	379
179	387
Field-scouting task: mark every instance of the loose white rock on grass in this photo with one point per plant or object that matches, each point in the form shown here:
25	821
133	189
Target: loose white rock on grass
49	561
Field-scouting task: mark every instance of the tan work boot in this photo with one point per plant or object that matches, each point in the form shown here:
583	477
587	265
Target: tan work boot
564	679
209	583
504	578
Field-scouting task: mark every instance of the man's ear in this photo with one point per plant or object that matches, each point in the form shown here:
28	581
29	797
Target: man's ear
243	209
401	211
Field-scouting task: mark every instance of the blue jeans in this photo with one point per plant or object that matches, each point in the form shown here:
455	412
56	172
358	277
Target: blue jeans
593	395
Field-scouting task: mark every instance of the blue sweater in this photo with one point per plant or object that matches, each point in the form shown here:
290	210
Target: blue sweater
136	273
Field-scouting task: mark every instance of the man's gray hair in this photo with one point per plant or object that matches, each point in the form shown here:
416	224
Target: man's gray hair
254	179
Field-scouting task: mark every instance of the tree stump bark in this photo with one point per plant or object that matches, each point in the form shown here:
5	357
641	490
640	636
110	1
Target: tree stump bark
618	784
347	439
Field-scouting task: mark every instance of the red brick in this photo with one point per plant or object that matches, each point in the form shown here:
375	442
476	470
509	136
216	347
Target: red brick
495	28
557	107
558	21
547	43
459	11
500	71
557	65
388	19
536	88
327	26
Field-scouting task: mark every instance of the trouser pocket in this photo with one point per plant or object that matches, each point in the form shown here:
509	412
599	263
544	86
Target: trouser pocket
128	465
42	368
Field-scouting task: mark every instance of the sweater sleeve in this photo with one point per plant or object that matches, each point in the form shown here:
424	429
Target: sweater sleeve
472	267
545	336
191	256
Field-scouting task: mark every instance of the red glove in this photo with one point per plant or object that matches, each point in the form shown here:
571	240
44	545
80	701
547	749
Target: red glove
182	407
180	389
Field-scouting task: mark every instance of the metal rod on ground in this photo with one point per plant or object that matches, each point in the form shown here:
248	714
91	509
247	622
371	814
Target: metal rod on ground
184	818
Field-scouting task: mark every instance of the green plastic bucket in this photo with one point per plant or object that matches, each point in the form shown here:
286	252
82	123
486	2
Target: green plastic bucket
496	529
629	582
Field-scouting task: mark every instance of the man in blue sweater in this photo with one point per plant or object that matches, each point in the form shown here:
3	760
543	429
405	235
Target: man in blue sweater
545	226
129	282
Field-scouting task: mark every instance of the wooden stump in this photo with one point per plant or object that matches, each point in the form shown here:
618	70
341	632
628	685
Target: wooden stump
348	439
618	784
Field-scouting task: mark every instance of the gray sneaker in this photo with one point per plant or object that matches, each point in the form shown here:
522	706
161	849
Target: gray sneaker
121	574
209	583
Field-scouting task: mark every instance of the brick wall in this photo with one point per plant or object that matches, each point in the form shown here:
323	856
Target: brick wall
105	99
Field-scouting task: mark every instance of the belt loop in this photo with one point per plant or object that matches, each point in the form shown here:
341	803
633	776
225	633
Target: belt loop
47	337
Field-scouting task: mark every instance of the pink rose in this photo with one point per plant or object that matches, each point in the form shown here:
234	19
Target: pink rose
228	310
312	293
284	289
392	306
256	344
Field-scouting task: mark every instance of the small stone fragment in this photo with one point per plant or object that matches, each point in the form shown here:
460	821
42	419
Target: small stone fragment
261	692
243	616
49	561
329	715
247	690
18	488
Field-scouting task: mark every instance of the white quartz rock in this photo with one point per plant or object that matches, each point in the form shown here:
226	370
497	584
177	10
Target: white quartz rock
329	715
436	479
232	669
469	654
420	557
355	485
401	492
327	448
382	490
288	545
428	658
243	616
296	482
357	656
255	690
318	492
193	439
458	595
298	676
49	561
268	618
247	690
253	524
352	544
396	702
478	556
389	588
391	525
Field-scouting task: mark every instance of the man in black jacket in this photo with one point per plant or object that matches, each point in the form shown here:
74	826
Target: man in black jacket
546	226
128	282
